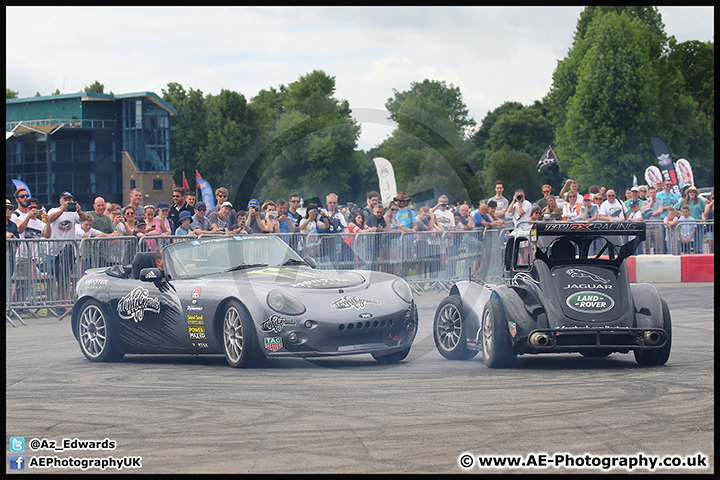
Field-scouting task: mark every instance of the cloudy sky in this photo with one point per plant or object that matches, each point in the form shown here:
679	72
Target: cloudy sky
494	54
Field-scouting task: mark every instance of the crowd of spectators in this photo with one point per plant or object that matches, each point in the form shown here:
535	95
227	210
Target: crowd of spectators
655	204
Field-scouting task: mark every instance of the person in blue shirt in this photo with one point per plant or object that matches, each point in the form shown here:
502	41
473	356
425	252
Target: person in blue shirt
405	216
668	199
185	218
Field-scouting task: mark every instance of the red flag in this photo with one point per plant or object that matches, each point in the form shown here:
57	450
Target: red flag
173	183
197	179
185	184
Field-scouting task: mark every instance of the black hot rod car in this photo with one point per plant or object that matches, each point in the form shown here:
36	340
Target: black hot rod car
566	289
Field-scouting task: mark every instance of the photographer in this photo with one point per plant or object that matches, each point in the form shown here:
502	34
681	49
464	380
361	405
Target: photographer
61	223
520	207
314	219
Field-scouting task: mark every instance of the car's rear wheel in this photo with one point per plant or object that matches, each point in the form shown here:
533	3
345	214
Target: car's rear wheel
658	356
449	330
394	357
94	336
498	351
239	340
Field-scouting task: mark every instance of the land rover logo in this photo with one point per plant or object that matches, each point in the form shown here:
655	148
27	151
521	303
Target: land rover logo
590	302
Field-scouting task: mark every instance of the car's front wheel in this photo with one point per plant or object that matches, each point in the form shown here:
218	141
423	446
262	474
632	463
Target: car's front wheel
658	356
449	330
94	336
498	351
239	340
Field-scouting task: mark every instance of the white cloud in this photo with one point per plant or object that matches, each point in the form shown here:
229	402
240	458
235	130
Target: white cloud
494	54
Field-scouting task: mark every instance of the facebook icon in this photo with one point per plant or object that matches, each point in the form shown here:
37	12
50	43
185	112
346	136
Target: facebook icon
17	462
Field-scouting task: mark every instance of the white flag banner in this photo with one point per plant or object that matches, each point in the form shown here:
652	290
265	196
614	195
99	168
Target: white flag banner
386	177
684	173
653	175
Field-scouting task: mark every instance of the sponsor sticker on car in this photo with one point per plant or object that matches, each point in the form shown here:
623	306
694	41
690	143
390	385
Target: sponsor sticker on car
273	343
590	302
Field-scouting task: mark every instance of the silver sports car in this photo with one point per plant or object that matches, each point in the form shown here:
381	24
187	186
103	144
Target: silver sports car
247	297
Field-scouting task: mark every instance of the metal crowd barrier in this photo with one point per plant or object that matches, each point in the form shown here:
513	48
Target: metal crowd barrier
42	273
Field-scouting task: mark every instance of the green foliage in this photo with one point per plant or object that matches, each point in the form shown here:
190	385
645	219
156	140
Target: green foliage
10	93
95	87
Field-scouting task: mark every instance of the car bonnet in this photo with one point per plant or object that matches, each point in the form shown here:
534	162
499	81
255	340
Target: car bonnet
305	278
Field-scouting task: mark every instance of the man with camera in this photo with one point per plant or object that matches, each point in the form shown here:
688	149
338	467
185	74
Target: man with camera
443	216
61	223
520	207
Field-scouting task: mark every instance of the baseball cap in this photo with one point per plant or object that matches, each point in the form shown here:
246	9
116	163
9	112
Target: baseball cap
227	204
139	222
33	202
184	214
8	203
588	196
635	189
163	206
200	204
66	195
634	203
253	203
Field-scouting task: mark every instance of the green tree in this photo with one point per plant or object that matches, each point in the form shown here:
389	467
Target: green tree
95	87
189	136
307	143
430	149
10	93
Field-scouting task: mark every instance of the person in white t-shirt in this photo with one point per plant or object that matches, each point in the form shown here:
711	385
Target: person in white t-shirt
61	223
27	252
612	210
521	208
443	216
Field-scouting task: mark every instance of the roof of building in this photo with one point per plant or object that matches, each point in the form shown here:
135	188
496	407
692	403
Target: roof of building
88	97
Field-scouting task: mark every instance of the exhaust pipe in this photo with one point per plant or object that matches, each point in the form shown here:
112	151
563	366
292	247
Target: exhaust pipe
539	339
651	338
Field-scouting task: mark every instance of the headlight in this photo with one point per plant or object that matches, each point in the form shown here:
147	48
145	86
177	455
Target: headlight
285	303
402	290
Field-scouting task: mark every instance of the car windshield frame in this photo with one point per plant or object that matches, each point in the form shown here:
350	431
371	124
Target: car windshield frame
190	259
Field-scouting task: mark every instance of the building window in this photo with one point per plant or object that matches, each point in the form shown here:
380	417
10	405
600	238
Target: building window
132	184
157	184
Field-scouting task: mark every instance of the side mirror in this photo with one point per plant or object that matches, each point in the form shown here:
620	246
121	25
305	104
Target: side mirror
310	261
151	274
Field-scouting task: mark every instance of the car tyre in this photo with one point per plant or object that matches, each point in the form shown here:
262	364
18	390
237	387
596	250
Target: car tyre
449	330
389	358
239	341
658	356
95	335
498	351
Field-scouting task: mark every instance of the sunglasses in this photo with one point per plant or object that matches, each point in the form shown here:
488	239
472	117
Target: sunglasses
611	195
9	207
201	209
130	213
220	195
393	209
294	201
24	196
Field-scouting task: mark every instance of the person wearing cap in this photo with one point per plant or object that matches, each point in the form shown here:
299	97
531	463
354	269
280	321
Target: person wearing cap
179	205
405	216
255	224
589	209
101	221
61	223
184	228
222	220
634	195
200	224
139	230
166	225
635	215
11	230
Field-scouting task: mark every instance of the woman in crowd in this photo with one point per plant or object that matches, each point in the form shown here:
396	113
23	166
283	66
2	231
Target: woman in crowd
697	206
313	219
571	208
127	223
709	215
551	211
357	224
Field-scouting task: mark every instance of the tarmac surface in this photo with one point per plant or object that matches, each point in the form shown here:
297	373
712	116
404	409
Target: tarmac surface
194	414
